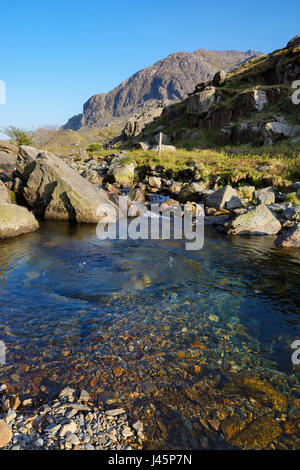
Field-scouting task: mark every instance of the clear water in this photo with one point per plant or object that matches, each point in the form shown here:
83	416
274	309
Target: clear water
150	322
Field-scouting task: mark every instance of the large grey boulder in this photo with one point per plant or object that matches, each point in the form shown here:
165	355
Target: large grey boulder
218	199
4	194
265	195
16	220
290	238
276	130
121	170
200	103
256	221
57	192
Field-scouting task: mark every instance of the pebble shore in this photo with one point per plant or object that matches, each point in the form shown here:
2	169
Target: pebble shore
69	422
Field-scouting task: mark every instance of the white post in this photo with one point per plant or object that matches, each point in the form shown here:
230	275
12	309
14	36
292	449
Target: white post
159	143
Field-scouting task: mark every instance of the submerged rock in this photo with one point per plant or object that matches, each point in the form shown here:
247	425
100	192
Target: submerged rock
257	221
258	435
16	220
57	192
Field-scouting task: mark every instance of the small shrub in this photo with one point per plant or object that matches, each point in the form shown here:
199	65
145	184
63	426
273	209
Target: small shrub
18	136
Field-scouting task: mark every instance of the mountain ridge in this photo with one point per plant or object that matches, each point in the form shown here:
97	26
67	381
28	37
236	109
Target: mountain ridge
150	89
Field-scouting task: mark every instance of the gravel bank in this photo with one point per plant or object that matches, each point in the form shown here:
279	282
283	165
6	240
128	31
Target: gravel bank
71	421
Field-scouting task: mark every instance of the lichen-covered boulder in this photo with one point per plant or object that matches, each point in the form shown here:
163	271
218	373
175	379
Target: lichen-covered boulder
121	170
256	221
16	220
219	198
55	191
265	195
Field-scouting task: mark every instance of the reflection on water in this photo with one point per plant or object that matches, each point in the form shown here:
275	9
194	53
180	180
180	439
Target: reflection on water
153	323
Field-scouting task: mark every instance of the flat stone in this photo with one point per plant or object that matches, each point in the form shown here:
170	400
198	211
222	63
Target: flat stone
5	434
67	392
69	427
115	412
72	438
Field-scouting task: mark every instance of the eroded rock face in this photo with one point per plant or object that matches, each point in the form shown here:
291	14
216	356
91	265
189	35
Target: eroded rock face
290	238
256	221
57	192
200	103
16	220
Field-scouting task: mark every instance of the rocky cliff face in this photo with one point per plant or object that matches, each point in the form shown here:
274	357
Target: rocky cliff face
149	90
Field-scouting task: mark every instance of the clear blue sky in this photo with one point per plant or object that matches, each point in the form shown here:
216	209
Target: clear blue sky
56	54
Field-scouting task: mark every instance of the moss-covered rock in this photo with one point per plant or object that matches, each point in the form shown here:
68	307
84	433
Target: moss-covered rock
256	221
16	220
258	435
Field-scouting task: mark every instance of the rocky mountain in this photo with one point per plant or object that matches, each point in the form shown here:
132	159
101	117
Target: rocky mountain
256	103
146	92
